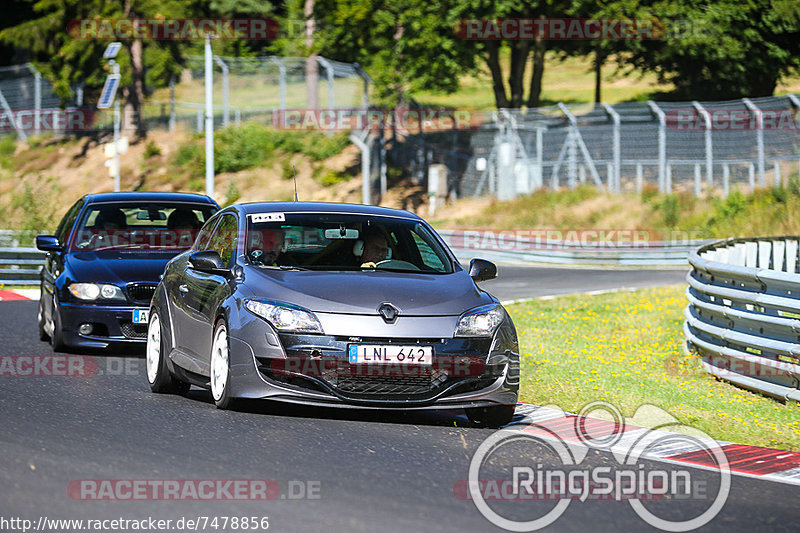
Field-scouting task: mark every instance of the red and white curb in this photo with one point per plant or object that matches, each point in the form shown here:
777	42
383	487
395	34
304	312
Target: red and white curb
9	295
742	460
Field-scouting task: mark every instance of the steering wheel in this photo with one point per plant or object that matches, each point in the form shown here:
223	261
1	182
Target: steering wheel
396	263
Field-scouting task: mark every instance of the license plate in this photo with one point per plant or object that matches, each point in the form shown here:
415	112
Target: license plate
390	354
141	316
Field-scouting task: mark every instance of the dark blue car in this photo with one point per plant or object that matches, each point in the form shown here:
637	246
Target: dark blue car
105	260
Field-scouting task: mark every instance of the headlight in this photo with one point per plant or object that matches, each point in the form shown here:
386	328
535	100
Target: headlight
480	322
285	317
93	291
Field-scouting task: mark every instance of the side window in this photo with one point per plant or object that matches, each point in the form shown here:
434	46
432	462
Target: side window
64	227
204	237
223	241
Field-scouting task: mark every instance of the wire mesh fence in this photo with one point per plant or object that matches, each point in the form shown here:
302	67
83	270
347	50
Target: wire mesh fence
257	88
675	146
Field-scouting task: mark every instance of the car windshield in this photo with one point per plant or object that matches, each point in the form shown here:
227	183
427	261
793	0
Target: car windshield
329	241
141	226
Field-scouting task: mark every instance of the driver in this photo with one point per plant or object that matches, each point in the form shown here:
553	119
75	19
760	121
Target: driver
376	249
266	247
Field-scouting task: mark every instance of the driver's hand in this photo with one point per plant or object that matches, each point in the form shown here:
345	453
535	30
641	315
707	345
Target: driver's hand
368	264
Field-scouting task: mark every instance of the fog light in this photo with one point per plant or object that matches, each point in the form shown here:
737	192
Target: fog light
85	329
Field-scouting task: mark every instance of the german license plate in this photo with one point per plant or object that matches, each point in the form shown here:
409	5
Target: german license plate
390	354
141	316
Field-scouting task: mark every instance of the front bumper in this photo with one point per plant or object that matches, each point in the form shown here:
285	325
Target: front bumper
111	325
315	370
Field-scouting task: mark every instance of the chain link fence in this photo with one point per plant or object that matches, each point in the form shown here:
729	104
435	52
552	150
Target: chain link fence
675	146
256	88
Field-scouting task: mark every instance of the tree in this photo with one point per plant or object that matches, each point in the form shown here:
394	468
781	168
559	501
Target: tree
722	49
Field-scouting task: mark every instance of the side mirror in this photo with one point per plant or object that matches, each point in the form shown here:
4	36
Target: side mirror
48	243
482	270
207	261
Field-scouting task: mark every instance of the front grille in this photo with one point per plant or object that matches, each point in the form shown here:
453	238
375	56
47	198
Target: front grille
134	331
142	292
379	386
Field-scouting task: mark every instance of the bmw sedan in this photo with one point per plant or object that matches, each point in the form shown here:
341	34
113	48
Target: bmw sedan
332	305
105	260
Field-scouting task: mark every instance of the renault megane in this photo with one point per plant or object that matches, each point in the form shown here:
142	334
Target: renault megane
332	305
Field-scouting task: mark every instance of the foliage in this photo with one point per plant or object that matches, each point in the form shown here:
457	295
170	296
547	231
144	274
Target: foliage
151	149
252	145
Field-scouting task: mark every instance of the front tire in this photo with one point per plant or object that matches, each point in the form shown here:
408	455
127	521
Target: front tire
491	417
158	374
43	336
57	338
221	367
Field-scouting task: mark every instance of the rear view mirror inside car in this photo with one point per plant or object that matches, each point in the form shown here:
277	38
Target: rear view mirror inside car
341	233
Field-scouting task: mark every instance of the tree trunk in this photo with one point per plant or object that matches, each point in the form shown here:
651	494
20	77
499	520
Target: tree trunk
599	59
516	76
312	67
539	49
493	60
134	121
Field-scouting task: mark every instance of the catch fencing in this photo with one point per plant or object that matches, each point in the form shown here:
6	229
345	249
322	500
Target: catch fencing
743	316
692	147
256	88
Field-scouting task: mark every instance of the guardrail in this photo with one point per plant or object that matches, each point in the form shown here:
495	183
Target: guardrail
20	266
743	316
517	249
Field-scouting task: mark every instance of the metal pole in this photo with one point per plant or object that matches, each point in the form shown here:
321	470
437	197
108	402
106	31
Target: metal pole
697	175
282	80
37	99
614	184
726	174
709	147
329	72
116	136
759	138
662	144
172	116
363	145
226	112
209	120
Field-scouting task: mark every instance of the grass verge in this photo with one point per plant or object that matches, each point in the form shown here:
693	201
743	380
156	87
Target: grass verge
626	348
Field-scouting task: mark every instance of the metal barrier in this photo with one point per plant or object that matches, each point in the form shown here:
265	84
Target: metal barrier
566	252
743	316
20	266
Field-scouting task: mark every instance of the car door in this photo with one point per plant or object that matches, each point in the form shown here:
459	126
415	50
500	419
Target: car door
54	261
203	292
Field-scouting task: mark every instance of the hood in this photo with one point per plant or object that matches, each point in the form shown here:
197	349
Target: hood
118	267
358	292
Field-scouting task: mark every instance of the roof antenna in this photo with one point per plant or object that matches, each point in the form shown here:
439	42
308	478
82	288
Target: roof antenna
294	175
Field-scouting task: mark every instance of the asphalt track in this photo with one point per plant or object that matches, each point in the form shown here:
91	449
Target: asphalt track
375	471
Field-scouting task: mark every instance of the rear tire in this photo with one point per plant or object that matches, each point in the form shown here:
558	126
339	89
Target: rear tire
491	417
221	367
158	374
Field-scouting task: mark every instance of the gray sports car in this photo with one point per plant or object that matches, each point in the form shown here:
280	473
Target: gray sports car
332	305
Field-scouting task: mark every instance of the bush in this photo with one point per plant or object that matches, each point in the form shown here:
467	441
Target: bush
242	147
251	145
151	149
232	194
331	177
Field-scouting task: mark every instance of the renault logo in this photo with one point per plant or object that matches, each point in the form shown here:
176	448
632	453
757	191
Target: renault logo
388	312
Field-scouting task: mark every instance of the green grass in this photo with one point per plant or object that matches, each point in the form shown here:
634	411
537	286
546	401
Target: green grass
569	80
626	348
